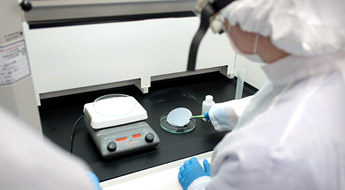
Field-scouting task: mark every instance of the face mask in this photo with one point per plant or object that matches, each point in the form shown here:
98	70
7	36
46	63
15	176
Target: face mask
252	57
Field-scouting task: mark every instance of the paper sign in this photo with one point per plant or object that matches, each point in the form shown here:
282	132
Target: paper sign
14	64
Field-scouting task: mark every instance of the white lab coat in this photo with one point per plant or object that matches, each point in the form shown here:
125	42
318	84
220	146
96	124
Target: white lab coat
29	163
291	135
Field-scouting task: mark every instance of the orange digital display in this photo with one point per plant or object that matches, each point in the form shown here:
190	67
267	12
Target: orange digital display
121	139
136	136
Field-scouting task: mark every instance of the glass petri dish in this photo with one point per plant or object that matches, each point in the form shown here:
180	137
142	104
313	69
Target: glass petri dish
114	105
174	129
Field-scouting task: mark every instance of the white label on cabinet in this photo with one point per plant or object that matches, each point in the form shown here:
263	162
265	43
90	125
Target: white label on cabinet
14	64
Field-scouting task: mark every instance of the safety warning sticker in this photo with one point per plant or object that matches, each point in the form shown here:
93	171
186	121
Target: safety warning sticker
14	64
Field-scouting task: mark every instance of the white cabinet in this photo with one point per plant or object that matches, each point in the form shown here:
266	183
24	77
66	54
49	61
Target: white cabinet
67	58
79	58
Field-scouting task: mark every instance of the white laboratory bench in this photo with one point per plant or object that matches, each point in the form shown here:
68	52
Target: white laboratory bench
156	178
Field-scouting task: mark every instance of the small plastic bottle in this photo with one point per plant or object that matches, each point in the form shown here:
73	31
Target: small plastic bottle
206	104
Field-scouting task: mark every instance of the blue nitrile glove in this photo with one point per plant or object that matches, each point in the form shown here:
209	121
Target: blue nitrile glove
191	170
94	180
207	117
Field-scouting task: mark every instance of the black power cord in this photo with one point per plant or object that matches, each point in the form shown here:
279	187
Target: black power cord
72	133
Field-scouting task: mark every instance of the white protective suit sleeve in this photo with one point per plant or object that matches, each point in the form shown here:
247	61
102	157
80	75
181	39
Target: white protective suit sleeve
28	162
200	183
224	116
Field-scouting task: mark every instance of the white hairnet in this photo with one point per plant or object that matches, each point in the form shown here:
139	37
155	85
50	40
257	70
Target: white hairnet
299	27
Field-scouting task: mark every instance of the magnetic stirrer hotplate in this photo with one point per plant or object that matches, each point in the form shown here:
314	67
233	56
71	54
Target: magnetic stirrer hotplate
116	124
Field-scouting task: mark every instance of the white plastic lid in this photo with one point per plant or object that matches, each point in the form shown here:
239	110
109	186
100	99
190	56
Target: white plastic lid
209	98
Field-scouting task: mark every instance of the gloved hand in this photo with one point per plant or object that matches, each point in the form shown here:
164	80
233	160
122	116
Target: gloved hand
191	170
94	180
207	117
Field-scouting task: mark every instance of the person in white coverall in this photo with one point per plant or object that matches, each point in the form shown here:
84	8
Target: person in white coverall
291	134
27	162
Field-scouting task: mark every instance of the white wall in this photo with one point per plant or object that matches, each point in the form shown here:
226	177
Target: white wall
73	57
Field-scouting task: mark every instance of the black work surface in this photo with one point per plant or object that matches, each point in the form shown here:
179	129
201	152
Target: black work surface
58	116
